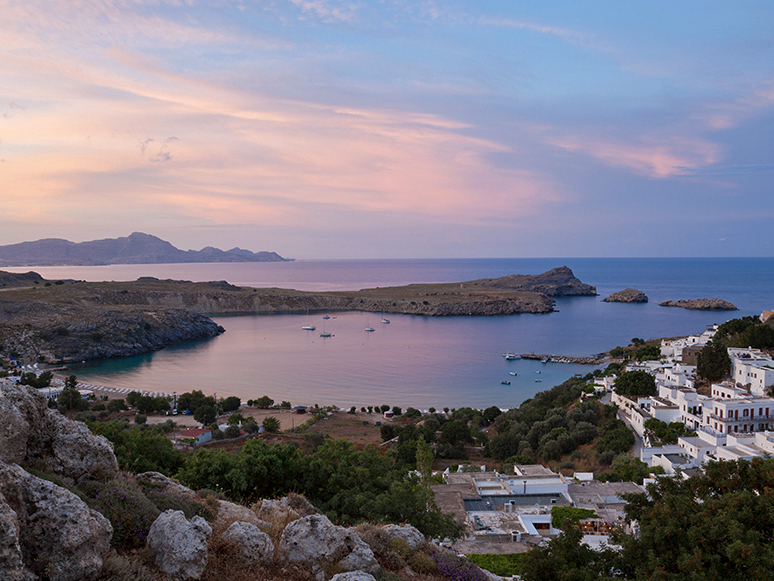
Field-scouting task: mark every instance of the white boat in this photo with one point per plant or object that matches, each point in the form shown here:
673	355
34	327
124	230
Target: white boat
385	321
511	356
369	329
325	334
505	382
513	373
538	380
308	326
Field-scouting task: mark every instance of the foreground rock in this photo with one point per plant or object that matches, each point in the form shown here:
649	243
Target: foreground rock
47	531
179	546
701	304
32	431
255	546
315	543
628	295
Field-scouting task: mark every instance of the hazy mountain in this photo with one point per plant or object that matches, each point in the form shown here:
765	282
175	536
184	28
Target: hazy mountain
138	248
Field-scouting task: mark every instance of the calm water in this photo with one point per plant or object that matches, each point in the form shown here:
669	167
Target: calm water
418	361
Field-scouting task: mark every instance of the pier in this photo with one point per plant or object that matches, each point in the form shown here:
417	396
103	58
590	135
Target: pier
594	360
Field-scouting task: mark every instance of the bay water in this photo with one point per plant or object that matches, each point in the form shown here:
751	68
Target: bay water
421	361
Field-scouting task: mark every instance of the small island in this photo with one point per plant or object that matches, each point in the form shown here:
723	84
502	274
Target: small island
701	304
628	295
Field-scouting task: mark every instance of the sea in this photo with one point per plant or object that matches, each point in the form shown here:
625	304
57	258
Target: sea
421	361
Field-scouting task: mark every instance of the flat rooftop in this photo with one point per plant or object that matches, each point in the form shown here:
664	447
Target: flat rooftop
496	503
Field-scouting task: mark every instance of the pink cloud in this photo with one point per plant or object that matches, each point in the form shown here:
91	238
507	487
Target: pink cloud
659	158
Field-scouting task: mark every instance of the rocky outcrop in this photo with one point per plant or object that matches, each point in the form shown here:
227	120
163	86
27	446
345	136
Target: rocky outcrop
253	544
315	543
179	546
557	282
55	332
48	531
29	430
701	304
628	295
410	534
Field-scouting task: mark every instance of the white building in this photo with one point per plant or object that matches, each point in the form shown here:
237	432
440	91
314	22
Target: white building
753	368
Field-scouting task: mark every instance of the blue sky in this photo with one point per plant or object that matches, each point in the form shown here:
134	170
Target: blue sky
391	129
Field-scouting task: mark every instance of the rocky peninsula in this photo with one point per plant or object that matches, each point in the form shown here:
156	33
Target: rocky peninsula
628	295
64	321
701	304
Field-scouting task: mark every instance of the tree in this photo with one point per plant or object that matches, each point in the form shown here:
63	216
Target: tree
116	405
235	419
231	404
425	457
635	383
396	410
713	363
205	414
271	425
140	419
69	398
133	396
71	382
232	431
264	402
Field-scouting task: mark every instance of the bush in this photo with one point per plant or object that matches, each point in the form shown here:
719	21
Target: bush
140	419
457	568
127	508
232	432
502	565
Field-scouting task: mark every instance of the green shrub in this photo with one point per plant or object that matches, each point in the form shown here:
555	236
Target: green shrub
127	508
421	562
502	565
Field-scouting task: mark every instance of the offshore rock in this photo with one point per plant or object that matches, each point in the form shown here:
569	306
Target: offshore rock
254	545
628	295
701	304
179	546
58	536
314	542
29	430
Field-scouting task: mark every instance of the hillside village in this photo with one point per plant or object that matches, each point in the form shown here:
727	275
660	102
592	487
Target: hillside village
514	506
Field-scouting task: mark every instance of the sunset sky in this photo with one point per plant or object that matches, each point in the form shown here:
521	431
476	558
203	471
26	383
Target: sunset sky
392	129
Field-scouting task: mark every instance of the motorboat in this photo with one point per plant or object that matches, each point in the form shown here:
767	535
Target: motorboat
511	356
513	373
504	382
325	334
308	327
369	329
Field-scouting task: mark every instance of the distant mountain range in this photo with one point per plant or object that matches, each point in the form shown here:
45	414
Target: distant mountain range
137	248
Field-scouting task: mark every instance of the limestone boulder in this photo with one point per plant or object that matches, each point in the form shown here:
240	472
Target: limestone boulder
406	532
58	536
75	453
353	576
179	546
12	567
30	430
228	511
317	544
253	544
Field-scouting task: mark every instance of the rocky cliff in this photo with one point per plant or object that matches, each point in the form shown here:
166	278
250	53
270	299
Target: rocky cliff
701	304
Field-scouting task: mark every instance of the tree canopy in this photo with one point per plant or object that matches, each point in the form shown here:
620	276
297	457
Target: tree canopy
635	383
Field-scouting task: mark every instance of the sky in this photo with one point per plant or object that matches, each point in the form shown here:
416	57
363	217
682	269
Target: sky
392	128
